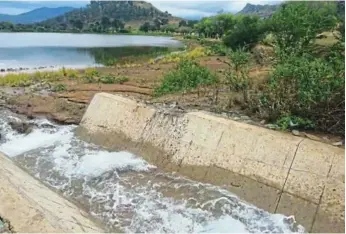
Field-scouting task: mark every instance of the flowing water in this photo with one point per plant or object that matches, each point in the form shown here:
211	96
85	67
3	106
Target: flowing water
125	192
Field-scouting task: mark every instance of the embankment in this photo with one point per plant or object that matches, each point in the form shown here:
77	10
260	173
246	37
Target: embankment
275	171
29	206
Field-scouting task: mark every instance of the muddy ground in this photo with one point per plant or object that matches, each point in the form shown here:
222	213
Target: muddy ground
68	106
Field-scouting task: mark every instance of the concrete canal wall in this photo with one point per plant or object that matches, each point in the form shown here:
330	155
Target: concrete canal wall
275	171
30	206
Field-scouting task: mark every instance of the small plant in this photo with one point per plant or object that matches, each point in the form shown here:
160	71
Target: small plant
90	75
188	75
91	72
237	72
59	88
294	122
71	73
109	79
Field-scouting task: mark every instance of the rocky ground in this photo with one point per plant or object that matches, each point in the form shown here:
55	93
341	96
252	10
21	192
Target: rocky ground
68	107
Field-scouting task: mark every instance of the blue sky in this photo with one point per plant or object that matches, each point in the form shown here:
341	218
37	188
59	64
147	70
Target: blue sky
185	9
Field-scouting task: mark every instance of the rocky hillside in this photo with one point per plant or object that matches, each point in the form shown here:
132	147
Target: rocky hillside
109	13
263	11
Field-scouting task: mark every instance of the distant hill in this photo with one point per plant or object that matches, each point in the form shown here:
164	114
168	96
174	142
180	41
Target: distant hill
263	11
36	15
104	14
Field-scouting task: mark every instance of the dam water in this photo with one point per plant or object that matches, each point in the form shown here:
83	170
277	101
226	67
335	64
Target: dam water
126	193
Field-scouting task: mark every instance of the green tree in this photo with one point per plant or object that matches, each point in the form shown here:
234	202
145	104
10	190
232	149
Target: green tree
300	22
246	31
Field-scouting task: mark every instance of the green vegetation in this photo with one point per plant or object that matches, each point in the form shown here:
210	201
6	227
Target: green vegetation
306	86
188	75
97	17
24	79
110	79
59	88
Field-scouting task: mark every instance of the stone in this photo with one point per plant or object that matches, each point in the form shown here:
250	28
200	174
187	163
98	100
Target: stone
295	132
338	143
263	122
21	127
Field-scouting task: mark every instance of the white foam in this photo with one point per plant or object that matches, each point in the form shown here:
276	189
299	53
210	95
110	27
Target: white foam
225	224
18	144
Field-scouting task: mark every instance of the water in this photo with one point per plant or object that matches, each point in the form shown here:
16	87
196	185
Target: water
125	192
29	50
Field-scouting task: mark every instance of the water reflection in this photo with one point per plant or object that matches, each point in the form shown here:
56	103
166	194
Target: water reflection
30	57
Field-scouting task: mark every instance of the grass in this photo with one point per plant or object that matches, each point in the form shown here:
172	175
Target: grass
25	79
109	79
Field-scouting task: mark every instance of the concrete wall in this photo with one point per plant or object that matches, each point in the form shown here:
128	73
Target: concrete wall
275	171
29	206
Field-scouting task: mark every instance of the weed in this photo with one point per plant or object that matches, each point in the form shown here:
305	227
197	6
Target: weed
59	88
188	75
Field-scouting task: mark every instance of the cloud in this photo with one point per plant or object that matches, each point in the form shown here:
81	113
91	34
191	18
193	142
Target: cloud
184	9
199	9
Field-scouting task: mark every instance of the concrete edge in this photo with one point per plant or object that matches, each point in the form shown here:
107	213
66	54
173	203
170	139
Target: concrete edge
299	170
30	206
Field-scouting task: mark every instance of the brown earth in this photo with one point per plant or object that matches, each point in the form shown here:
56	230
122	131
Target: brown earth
69	106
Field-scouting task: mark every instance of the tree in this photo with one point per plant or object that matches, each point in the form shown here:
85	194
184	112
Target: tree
247	31
105	22
300	22
182	23
145	27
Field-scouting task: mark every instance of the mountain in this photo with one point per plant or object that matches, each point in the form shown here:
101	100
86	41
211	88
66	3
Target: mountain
105	14
263	11
36	15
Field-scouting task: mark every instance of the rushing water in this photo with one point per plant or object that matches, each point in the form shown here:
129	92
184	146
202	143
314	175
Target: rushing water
126	192
30	50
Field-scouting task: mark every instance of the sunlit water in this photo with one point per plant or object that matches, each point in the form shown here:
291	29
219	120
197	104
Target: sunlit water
29	50
127	193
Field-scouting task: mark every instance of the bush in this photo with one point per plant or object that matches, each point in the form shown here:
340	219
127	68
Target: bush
188	75
310	88
90	75
237	72
59	88
247	31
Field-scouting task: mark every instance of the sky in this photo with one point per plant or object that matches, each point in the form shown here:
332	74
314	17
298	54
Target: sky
185	9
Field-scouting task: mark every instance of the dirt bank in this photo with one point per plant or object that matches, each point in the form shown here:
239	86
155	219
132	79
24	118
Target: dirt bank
68	105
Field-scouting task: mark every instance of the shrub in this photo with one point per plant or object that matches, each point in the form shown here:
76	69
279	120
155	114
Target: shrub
307	87
188	75
237	72
90	75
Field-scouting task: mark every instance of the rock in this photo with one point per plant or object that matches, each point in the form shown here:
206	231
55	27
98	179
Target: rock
338	143
263	122
295	132
312	137
21	127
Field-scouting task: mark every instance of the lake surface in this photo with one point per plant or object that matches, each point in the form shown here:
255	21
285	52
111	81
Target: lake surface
29	50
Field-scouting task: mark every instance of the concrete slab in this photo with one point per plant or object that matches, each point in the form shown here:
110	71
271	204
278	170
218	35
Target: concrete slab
303	211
